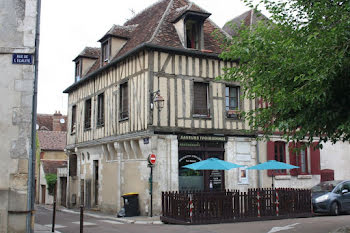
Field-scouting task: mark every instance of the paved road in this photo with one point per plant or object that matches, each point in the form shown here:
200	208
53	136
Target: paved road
69	223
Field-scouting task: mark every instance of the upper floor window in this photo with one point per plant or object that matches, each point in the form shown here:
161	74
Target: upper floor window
193	34
77	71
200	99
105	52
232	101
124	101
74	119
87	115
100	110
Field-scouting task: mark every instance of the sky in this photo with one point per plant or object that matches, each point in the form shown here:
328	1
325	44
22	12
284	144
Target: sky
68	26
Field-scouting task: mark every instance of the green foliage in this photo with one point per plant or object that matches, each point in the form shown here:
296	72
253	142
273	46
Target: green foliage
51	180
299	63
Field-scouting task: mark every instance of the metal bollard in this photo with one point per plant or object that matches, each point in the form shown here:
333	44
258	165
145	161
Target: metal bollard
53	217
81	218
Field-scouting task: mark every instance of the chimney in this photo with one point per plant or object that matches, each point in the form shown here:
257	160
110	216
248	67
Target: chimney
56	124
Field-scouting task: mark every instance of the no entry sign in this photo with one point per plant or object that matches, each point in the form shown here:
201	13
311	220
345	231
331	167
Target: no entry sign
152	159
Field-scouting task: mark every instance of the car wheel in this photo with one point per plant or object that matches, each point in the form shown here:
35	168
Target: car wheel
334	209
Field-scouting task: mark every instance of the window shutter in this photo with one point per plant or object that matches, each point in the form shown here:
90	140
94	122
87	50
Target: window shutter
200	105
270	154
293	159
315	159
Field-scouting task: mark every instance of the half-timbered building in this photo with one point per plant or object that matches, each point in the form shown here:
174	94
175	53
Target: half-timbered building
151	88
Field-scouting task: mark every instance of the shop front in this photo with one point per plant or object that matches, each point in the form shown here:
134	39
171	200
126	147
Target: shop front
195	148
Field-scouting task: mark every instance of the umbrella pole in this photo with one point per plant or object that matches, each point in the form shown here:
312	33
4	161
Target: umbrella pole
272	180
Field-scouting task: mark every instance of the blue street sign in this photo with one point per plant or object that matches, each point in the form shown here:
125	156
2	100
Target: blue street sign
23	59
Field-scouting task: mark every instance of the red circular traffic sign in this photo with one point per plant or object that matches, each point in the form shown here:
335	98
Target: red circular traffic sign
152	159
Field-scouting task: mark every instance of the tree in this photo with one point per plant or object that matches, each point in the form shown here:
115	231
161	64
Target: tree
299	63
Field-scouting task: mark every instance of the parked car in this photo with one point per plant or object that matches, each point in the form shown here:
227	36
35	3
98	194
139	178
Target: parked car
331	197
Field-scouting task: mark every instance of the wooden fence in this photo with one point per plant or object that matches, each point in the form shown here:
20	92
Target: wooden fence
197	207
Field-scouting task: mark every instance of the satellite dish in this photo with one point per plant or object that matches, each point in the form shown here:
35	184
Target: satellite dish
37	127
62	120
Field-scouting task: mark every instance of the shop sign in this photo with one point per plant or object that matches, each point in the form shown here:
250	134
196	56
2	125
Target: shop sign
202	138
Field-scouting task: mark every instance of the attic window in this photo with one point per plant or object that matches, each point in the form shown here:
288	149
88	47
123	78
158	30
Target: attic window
105	52
77	71
193	34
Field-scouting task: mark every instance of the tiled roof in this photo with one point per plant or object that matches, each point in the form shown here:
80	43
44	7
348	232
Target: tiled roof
247	18
52	140
89	52
120	31
50	166
45	121
155	26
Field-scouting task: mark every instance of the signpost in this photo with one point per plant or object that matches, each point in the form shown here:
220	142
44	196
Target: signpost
152	158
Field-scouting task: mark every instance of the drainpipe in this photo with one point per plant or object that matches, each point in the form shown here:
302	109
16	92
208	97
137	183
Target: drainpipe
258	161
32	153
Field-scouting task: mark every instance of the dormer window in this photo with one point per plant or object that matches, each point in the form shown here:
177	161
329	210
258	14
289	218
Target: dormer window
105	52
193	34
77	71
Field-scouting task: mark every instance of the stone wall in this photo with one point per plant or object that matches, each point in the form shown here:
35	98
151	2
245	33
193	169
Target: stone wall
17	35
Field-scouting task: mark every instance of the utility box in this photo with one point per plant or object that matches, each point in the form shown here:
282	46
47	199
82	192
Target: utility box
131	204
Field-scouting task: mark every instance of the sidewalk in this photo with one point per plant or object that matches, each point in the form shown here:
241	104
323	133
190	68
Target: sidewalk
98	214
42	229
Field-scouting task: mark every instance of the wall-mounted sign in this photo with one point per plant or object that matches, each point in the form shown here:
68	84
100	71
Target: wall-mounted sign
23	59
145	140
202	138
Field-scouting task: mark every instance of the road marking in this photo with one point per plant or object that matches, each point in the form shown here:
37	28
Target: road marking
110	221
288	227
86	223
57	226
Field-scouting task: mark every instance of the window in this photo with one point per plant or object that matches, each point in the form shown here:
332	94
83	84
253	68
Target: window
74	119
124	102
299	158
276	151
232	102
77	71
73	165
105	52
100	110
193	32
200	99
87	123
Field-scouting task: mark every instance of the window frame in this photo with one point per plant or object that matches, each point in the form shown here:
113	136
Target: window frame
78	70
230	112
100	119
105	54
198	27
197	111
124	101
74	119
87	114
298	160
277	156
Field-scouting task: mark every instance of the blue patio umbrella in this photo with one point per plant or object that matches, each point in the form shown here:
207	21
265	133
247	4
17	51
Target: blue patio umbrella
272	165
212	164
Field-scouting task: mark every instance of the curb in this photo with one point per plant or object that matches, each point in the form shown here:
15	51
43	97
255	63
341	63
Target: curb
126	221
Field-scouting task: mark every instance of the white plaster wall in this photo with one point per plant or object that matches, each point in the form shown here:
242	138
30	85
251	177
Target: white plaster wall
241	151
336	157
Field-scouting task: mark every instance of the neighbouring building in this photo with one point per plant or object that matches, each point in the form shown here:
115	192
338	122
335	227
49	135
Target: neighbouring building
52	136
18	49
315	165
165	55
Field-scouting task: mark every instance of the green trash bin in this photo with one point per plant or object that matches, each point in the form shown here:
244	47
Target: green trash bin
131	204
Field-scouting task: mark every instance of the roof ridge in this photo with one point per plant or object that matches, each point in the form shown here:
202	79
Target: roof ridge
161	21
221	30
139	13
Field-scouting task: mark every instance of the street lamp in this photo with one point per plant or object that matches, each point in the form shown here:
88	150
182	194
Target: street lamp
157	100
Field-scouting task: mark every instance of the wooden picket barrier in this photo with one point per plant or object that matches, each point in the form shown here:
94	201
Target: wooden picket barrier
199	207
